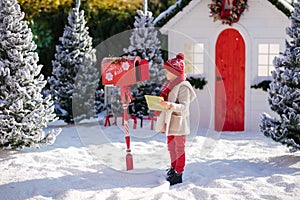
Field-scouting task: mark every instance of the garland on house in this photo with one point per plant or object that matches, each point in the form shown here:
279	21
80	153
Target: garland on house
264	85
166	17
197	82
227	16
281	7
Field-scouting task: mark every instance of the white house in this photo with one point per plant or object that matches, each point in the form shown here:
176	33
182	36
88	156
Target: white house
231	57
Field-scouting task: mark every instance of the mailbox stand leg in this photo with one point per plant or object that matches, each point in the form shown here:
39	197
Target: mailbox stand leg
125	95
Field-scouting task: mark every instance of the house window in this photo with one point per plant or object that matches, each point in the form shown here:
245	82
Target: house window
266	54
194	58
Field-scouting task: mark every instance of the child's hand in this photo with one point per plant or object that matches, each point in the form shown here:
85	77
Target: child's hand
165	104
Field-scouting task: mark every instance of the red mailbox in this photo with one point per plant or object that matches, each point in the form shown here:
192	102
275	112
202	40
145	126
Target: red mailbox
124	70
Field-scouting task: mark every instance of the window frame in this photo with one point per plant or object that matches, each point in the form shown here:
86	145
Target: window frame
269	57
191	54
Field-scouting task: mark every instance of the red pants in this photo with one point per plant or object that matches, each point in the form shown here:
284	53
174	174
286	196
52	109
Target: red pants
176	146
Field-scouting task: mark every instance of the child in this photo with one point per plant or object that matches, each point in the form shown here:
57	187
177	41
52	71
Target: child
178	94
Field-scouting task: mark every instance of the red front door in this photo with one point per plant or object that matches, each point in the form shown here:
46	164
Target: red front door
230	81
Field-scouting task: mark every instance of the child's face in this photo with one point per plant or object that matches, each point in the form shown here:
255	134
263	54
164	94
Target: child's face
169	75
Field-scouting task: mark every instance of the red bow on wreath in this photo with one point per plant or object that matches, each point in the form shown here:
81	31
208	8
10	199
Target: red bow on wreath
226	9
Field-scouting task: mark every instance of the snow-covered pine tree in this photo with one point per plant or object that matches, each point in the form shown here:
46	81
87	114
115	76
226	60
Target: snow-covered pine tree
284	92
87	79
144	42
73	54
24	112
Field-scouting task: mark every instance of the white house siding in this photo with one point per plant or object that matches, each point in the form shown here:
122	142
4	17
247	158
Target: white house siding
262	22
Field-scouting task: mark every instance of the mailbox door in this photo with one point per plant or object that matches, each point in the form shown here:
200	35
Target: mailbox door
143	71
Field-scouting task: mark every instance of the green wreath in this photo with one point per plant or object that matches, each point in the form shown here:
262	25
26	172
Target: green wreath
227	16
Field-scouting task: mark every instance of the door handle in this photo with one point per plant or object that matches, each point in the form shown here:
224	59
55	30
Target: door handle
219	78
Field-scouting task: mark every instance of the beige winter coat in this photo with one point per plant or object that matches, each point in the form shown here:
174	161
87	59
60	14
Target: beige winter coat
176	120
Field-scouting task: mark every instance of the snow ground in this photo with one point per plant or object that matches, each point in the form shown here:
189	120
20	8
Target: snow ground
88	162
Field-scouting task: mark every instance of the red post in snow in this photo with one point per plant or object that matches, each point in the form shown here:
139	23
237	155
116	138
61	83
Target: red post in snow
126	97
123	72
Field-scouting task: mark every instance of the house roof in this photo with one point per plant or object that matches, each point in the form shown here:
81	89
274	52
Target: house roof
283	5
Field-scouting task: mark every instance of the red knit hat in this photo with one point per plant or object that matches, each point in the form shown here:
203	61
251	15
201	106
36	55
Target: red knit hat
176	65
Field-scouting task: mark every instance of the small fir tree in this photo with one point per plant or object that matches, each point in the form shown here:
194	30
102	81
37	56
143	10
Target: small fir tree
284	92
75	54
145	43
24	112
